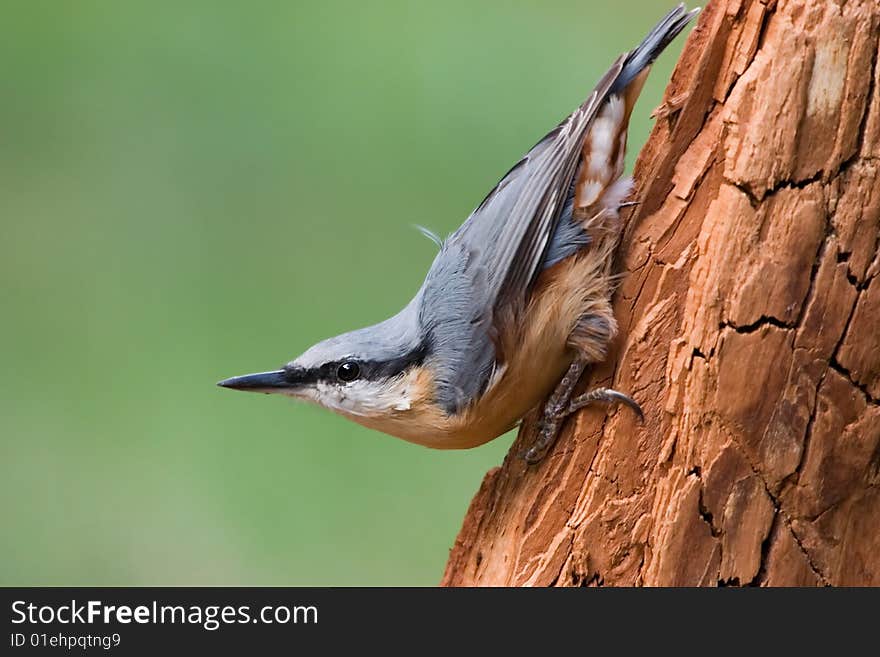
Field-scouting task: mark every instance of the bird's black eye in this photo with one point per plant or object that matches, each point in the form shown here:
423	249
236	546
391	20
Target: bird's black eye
348	371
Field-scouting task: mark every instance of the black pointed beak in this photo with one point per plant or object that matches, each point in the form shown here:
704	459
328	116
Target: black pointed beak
261	382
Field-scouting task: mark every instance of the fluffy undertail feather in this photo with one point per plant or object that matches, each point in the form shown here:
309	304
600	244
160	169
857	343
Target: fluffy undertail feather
598	188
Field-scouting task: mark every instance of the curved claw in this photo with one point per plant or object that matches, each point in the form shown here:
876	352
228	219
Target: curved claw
609	396
629	401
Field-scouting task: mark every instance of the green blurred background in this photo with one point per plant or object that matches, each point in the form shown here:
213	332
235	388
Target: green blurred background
201	189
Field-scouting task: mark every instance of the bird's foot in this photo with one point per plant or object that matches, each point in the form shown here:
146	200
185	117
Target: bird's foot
608	396
555	413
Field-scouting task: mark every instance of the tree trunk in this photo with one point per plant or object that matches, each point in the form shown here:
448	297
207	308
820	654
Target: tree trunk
749	322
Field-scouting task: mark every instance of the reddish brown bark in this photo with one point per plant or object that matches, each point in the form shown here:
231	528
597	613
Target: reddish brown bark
749	317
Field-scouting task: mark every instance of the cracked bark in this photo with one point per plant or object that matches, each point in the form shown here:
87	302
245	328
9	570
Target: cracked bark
749	324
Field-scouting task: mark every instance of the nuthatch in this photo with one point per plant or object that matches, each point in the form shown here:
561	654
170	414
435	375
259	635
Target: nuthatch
516	303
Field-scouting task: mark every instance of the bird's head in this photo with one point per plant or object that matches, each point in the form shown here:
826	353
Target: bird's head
371	372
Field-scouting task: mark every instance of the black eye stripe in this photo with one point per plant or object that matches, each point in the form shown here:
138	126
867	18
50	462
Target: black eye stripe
377	370
370	370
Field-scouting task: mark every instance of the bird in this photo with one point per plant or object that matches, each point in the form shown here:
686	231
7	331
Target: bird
517	302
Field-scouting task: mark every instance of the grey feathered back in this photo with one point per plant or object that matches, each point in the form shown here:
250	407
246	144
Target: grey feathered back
495	256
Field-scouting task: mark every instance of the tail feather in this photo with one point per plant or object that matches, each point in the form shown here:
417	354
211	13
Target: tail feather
590	213
650	48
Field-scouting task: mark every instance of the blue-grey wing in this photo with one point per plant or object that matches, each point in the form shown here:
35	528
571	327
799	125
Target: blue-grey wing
494	256
513	226
456	327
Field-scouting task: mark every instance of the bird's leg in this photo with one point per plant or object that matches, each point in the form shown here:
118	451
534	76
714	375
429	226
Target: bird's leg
561	404
555	411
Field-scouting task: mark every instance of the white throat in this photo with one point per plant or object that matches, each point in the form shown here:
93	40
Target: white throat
362	398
